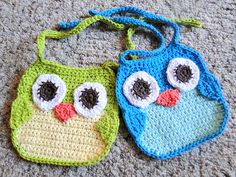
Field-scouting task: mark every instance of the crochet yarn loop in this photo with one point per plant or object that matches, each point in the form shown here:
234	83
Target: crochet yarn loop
79	28
189	22
85	23
147	16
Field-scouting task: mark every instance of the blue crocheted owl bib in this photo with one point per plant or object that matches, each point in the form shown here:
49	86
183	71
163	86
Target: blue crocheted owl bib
170	101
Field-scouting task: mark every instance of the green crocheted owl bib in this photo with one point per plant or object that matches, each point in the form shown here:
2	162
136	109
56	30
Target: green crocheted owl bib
65	115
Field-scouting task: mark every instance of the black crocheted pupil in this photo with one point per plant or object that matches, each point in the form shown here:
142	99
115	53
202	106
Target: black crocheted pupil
141	89
183	73
47	91
89	98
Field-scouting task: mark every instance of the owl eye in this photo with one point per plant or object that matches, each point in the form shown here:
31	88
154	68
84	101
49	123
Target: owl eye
90	99
141	89
48	91
183	74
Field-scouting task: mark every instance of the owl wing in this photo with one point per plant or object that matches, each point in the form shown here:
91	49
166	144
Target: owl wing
210	87
135	121
21	111
108	126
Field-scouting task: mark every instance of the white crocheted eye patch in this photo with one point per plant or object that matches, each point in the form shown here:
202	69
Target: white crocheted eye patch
48	91
141	89
183	74
90	99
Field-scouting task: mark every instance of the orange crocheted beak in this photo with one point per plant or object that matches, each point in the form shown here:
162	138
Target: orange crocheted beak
169	97
64	111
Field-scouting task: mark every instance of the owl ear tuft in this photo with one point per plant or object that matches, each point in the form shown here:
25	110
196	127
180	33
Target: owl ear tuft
112	65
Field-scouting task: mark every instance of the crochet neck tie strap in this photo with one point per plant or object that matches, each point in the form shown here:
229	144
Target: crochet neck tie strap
130	22
188	22
148	16
142	13
60	35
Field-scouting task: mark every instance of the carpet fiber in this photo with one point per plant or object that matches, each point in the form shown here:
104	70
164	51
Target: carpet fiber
21	21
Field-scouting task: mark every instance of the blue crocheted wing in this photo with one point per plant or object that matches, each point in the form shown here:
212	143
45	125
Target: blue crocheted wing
135	121
208	85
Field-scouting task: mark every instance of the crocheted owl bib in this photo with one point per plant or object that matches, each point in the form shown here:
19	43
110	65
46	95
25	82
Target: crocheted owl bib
170	101
65	115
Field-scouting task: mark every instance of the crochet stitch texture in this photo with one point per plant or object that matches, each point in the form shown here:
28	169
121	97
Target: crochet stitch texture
162	130
63	137
47	137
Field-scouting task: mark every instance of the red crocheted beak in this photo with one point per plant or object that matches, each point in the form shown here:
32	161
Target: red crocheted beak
64	111
169	97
